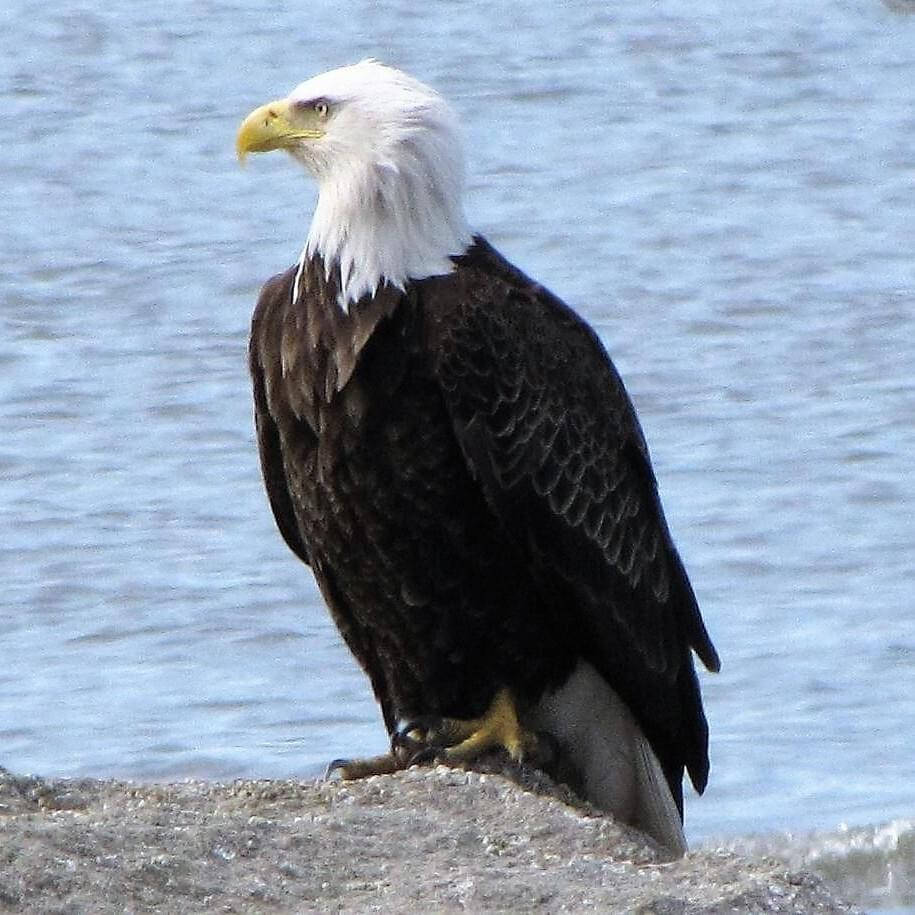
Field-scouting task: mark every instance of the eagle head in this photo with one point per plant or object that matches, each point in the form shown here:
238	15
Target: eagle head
386	153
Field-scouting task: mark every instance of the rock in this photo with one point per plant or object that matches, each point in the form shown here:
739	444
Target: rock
418	841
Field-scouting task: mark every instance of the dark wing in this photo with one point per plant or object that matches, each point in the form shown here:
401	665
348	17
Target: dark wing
266	374
551	435
299	355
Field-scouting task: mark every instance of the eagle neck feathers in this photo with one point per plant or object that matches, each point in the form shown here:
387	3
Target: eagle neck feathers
396	232
323	338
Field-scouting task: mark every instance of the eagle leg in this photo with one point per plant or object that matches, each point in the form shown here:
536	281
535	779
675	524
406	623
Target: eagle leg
457	740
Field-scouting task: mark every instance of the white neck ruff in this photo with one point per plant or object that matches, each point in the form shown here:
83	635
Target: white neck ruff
385	225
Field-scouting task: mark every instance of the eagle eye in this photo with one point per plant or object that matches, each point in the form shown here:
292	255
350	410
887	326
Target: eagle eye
321	107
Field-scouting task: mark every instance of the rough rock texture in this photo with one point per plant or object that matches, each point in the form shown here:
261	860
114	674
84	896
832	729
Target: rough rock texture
423	840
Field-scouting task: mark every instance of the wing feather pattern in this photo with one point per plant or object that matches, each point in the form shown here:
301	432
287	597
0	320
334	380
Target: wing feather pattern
549	431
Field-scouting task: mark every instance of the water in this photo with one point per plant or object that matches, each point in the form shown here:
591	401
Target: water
725	192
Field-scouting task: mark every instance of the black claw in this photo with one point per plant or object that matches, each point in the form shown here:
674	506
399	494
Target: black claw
547	752
399	739
425	757
412	733
334	766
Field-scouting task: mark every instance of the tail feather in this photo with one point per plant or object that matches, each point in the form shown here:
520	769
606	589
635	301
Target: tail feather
656	810
609	760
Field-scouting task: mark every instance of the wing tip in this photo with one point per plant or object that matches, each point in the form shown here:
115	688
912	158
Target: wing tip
709	656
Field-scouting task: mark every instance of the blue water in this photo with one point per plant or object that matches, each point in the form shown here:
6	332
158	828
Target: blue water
725	191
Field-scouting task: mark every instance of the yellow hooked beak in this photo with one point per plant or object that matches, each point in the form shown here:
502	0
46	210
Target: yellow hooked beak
276	125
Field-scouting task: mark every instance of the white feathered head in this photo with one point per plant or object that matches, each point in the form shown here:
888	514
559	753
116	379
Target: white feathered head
386	153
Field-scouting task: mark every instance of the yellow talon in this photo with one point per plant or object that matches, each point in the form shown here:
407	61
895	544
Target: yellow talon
498	728
456	740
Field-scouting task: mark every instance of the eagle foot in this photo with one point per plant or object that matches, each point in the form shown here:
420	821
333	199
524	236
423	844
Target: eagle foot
348	769
430	738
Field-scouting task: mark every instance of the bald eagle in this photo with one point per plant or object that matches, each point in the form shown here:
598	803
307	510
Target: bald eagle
451	450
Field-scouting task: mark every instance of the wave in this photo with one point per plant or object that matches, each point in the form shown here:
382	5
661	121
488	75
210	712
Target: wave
871	866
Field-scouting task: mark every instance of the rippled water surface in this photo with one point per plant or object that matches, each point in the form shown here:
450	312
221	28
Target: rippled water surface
725	191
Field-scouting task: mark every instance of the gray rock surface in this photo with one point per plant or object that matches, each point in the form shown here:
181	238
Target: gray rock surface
423	840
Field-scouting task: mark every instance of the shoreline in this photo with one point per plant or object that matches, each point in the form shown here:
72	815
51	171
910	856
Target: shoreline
430	839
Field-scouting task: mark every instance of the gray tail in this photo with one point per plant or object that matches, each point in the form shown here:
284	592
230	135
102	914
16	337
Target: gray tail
608	758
